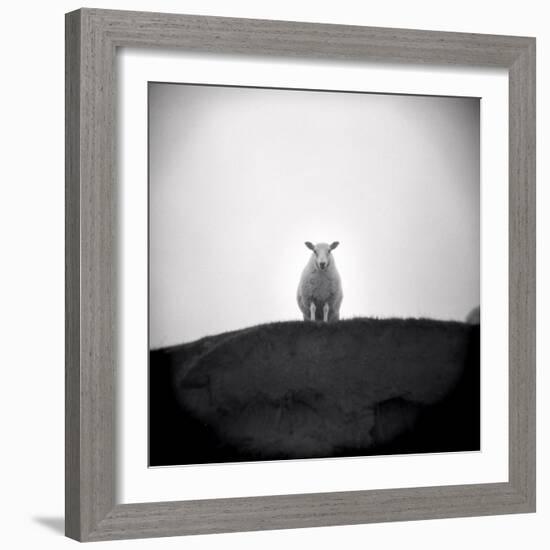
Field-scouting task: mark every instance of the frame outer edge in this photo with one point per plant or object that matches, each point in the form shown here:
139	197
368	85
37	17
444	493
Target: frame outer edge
522	284
307	510
91	288
305	39
97	278
72	275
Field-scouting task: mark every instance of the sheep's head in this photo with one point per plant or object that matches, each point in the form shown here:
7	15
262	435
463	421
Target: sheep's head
322	252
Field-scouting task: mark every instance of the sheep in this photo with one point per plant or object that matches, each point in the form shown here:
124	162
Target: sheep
320	290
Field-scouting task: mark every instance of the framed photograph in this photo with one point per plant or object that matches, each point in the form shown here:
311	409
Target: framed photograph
300	274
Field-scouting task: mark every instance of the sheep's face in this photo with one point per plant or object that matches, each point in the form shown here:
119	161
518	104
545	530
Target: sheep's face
322	253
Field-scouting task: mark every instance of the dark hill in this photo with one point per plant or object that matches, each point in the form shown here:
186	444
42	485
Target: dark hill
301	389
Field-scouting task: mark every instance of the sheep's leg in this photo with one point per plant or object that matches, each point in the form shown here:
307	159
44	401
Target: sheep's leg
312	309
325	312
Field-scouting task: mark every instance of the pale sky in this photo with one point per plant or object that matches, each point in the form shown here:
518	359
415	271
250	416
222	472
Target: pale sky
240	178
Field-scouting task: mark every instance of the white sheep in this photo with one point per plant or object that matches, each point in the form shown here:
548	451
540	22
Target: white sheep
320	288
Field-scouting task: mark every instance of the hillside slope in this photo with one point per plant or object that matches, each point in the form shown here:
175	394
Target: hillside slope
298	390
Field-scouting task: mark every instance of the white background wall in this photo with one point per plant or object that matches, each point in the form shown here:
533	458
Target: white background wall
32	272
394	178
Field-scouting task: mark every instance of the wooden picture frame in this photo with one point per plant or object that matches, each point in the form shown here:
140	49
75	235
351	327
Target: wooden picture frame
92	38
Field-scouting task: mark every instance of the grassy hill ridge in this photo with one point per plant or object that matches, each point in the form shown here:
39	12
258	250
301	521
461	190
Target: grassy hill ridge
296	390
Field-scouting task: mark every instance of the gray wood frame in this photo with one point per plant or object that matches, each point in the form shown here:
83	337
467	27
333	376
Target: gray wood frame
92	38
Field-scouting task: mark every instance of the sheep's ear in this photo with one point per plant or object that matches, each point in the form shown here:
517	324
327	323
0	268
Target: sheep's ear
334	245
309	245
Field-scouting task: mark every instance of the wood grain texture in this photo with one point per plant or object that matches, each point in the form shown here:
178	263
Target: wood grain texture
522	274
72	276
92	37
289	38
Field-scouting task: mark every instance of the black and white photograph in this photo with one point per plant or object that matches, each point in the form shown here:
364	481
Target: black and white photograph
314	274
